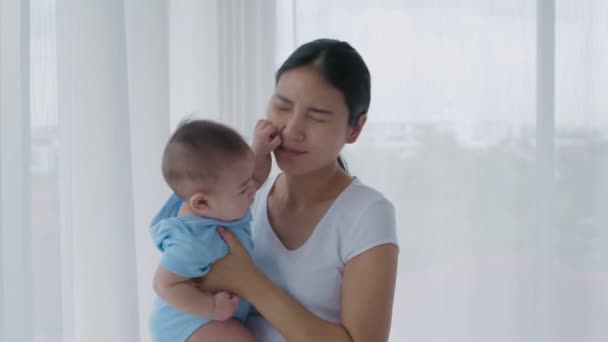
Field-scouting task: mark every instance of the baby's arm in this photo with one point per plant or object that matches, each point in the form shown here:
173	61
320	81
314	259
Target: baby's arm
183	296
266	138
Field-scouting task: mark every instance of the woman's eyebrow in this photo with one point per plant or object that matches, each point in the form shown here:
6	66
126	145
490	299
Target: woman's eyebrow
310	108
283	98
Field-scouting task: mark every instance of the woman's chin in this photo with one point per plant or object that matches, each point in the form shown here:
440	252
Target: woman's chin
290	167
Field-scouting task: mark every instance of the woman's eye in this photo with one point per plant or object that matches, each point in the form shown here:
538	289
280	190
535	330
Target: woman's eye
318	118
246	188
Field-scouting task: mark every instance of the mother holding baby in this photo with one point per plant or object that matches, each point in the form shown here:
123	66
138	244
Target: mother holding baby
325	259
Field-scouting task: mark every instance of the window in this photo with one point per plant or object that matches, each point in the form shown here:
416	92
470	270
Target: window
452	138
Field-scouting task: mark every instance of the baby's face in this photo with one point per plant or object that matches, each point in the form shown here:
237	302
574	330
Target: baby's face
235	190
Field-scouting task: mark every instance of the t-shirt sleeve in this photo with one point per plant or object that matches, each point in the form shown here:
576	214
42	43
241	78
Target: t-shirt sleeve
192	256
375	226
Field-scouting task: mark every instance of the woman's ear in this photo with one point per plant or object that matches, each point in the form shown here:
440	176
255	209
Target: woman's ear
354	132
199	202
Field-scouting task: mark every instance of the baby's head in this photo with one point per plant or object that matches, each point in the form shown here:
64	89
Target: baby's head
210	167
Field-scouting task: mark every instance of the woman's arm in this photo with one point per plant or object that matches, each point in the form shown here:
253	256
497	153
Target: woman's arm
291	318
367	295
368	287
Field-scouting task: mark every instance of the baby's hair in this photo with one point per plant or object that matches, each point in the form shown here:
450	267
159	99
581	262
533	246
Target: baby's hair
196	153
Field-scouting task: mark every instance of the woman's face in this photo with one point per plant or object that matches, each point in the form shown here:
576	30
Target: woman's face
312	117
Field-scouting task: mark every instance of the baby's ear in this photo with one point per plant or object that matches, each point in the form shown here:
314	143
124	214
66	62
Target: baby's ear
199	202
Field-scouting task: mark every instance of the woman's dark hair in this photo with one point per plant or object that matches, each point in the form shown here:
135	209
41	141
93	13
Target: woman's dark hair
342	67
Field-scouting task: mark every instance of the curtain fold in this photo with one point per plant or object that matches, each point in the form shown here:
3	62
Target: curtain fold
98	242
222	60
545	301
148	71
15	184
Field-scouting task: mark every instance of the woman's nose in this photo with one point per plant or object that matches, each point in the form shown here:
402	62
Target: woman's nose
293	128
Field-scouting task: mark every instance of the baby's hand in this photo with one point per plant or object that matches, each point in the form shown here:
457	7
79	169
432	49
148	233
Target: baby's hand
225	305
266	138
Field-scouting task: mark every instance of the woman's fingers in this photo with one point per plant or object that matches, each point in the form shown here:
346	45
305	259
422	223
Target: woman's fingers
231	240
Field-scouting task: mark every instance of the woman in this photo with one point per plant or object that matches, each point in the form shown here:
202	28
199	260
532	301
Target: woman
325	244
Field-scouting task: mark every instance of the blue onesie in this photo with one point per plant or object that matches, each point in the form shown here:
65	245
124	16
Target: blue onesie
190	244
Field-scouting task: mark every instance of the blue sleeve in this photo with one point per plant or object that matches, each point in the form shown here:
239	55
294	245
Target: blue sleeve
168	210
191	256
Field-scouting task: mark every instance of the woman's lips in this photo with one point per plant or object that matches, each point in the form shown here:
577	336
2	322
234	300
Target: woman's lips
293	152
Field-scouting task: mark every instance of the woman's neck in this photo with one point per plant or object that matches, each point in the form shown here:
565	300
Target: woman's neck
311	188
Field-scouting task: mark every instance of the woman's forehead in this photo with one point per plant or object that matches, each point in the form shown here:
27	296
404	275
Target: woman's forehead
303	75
307	85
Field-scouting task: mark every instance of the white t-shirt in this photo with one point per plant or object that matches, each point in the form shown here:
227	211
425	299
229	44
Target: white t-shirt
359	219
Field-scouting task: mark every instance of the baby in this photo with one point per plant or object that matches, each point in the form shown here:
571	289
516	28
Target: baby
214	175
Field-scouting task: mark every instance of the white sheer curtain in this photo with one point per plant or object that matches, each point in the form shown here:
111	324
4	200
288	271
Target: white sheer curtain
488	130
98	255
109	79
147	30
222	60
15	225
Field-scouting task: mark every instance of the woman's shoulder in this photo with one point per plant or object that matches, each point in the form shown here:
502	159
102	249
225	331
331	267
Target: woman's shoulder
366	219
360	206
360	196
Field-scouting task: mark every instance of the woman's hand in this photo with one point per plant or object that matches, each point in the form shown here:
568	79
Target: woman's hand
233	272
